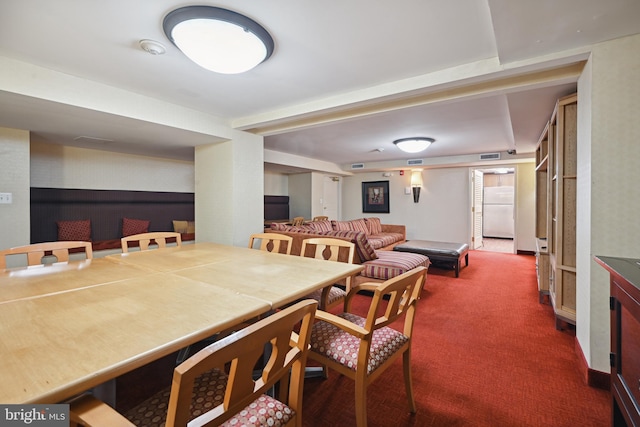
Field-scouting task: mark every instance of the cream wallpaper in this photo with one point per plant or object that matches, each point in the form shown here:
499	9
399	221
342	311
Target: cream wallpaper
14	179
609	191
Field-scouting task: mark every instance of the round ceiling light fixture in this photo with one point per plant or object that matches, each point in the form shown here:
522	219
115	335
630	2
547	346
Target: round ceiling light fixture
414	145
218	40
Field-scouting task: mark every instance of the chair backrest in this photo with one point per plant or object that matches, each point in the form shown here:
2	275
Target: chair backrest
144	239
241	352
299	220
35	252
399	295
272	242
328	249
320	218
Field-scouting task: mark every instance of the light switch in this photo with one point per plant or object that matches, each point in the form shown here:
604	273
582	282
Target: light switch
407	190
6	198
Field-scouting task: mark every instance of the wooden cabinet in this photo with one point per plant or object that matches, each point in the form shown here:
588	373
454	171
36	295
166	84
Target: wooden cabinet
625	338
556	179
542	214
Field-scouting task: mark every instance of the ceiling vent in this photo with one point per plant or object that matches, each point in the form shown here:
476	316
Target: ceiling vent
490	156
357	166
415	162
93	140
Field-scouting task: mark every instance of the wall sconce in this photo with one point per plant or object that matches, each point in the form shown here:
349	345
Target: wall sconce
416	184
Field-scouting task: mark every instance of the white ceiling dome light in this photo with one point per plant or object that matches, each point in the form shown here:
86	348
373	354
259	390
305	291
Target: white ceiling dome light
218	39
414	145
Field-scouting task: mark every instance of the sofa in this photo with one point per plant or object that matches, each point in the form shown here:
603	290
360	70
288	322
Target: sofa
373	240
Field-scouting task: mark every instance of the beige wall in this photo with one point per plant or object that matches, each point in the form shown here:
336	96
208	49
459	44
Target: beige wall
608	197
14	179
58	166
300	191
276	184
444	210
525	207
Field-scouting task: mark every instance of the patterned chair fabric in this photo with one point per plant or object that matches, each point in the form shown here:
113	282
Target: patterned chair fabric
341	346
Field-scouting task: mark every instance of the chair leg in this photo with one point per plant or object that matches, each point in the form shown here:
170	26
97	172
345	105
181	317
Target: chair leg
361	402
408	383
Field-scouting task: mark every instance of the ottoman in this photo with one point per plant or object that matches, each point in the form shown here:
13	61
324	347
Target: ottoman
450	254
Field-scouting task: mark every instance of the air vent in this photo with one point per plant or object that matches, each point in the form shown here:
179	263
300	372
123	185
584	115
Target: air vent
357	166
490	156
93	140
415	162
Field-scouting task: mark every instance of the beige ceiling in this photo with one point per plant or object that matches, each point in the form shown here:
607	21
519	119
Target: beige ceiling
345	79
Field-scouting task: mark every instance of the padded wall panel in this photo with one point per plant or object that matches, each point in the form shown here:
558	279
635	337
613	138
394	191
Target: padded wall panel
105	209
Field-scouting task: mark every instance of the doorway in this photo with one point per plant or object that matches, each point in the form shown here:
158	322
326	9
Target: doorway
493	209
331	197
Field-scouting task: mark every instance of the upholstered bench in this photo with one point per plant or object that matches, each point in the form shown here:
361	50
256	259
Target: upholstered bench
450	254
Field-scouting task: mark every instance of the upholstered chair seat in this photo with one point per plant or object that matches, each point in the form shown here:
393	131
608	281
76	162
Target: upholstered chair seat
343	347
209	389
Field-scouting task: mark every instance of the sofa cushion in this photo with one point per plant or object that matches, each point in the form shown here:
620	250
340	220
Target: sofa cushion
320	225
364	249
278	226
352	225
381	240
374	225
389	264
74	230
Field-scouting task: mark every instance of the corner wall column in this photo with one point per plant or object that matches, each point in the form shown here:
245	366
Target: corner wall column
229	190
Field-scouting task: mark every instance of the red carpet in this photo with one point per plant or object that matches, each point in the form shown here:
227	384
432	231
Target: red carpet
485	353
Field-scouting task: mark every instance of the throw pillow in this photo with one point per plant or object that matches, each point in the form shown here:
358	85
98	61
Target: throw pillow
74	230
191	227
352	225
180	226
363	248
134	226
320	225
374	225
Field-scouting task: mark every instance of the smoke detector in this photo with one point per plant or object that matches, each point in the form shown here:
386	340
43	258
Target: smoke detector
152	47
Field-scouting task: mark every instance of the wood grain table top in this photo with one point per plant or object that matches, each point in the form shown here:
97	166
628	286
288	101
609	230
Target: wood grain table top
70	327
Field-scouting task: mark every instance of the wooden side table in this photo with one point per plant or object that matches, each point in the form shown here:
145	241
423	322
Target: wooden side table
625	338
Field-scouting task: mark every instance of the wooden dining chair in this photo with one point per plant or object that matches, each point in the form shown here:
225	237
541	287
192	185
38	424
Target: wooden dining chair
217	384
320	218
271	242
329	249
372	344
299	220
37	251
145	239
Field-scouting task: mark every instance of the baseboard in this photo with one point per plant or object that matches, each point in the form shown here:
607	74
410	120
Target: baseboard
593	378
521	252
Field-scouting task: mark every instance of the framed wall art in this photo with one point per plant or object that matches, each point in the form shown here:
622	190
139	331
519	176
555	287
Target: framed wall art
375	197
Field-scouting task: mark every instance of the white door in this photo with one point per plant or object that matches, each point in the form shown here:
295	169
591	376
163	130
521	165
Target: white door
330	197
476	208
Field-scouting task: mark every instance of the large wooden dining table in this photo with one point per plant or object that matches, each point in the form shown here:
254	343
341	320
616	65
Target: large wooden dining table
68	327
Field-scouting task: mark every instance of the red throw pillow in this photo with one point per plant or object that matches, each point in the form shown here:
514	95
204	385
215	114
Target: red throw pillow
74	230
134	226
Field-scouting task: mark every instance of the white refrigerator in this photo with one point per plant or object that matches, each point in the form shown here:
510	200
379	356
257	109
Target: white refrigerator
497	212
